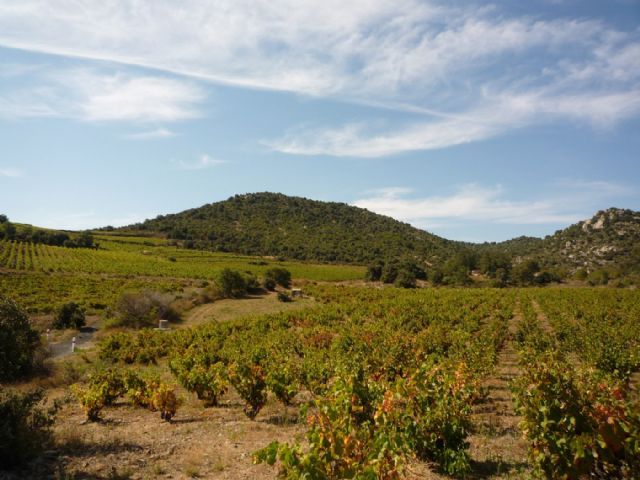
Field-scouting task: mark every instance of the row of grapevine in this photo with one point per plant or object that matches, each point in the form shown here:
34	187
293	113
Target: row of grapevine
120	259
383	367
580	415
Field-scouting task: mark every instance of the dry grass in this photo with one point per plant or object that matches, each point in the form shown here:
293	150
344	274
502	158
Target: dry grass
229	309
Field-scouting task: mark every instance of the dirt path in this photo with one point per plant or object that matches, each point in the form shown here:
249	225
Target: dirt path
64	348
229	309
497	448
542	317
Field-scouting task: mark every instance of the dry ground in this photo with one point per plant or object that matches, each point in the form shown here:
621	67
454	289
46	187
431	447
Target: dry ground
228	309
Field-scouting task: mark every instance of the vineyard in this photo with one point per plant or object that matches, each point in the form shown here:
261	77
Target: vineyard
44	277
393	383
131	256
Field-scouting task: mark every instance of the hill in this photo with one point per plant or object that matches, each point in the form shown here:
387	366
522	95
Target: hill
611	238
272	224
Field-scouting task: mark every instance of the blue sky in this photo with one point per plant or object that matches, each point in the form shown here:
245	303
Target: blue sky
476	121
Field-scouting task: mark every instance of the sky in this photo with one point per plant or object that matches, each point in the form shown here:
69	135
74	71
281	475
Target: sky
476	121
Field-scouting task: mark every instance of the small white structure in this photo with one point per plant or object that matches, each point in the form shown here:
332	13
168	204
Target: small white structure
163	325
73	344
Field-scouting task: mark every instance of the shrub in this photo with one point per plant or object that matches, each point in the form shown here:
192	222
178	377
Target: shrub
144	309
405	279
252	282
281	276
389	273
284	297
231	284
524	272
269	284
70	315
374	272
18	341
25	427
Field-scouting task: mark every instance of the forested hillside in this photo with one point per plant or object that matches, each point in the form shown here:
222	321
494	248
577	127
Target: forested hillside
292	227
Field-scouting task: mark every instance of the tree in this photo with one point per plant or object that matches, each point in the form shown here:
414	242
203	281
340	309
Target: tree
25	427
18	341
374	272
70	315
9	230
524	272
490	263
436	276
405	279
389	272
456	270
3	218
231	283
279	276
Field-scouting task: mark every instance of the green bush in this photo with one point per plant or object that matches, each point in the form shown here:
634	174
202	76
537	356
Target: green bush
25	427
405	279
374	272
231	284
70	315
18	341
279	276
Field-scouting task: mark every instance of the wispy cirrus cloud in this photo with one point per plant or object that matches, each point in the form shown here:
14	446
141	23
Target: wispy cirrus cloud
151	134
203	162
444	60
499	114
570	203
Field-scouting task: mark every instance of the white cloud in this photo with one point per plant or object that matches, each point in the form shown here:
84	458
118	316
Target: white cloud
469	203
413	55
203	162
137	99
152	134
94	96
10	172
355	141
571	201
499	114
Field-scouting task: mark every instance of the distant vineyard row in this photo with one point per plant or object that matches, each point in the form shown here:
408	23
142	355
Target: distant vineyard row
150	261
